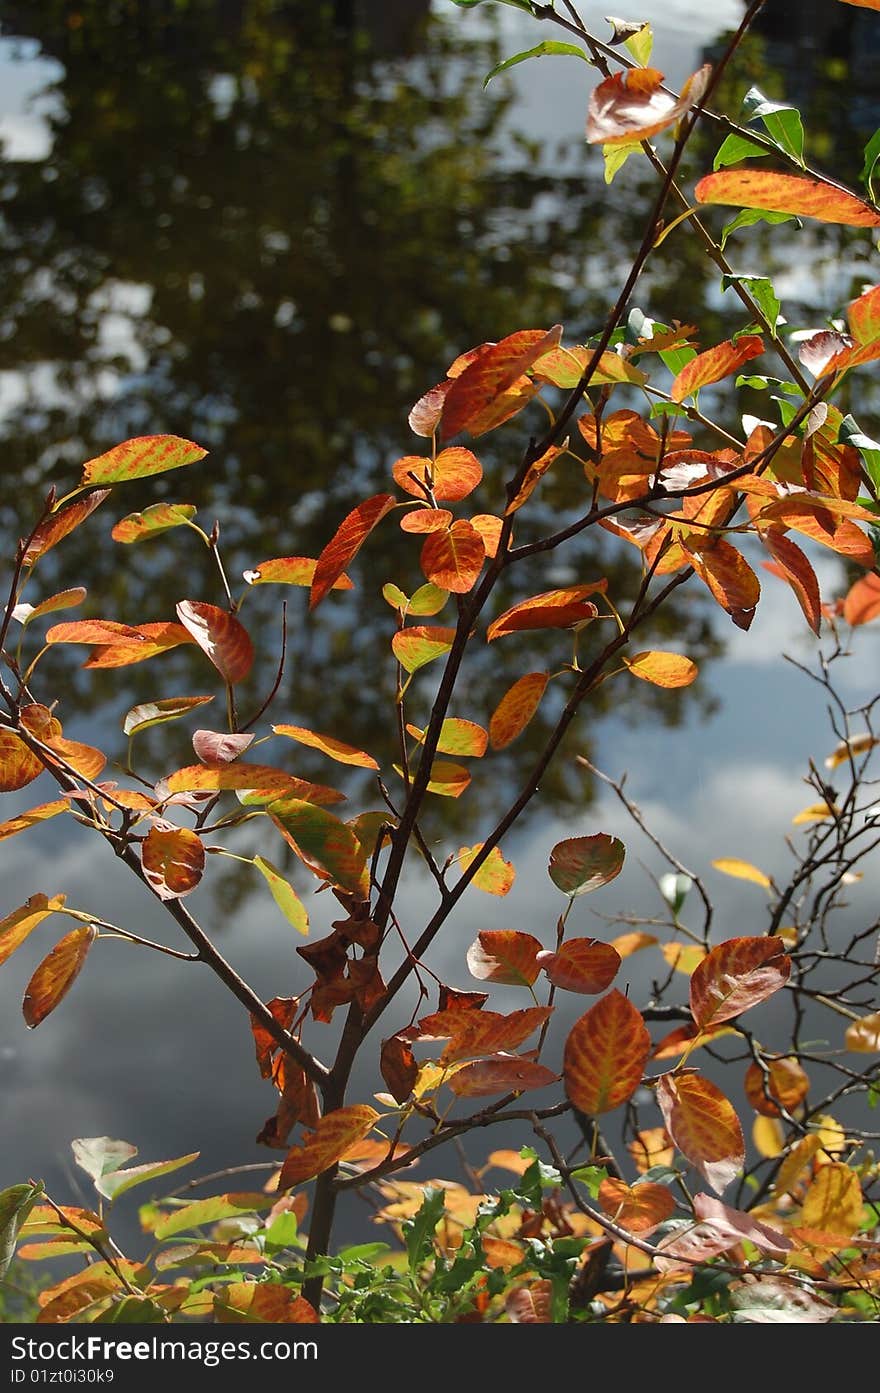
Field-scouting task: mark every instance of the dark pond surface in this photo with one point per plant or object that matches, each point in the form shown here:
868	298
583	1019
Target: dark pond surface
271	229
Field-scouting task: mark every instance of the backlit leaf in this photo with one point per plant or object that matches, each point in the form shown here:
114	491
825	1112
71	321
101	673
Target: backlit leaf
605	1055
662	669
453	559
425	520
554	609
741	870
457	737
16	1203
346	542
850	749
447	779
291	570
59	525
793	567
703	1125
415	647
651	1147
687	1037
628	943
833	1203
728	576
638	1208
716	363
325	844
862	603
864	324
506	956
65	599
469	402
140	457
473	1033
159	517
786	193
335	1132
199	778
516	708
284	895
153	713
816	812
490	528
150	640
684	957
549	46
221	636
581	864
328	745
16	926
425	415
427	600
534	475
863	1036
735	975
92	631
632	106
398	1067
564	367
501	1074
211	1211
81	759
495	876
583	965
32	817
452	476
768	1137
173	860
262	1303
18	766
787	1085
56	974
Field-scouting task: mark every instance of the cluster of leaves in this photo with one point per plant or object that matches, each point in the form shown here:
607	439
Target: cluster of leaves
672	482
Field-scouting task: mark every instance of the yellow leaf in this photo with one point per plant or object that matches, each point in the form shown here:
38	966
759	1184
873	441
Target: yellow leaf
863	1036
849	749
833	1203
684	957
768	1136
795	1163
741	870
832	1137
816	812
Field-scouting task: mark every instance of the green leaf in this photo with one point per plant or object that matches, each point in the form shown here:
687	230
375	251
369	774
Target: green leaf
542	50
782	122
418	1232
674	889
16	1204
211	1211
760	384
872	157
133	1310
283	1231
851	434
749	216
677	358
668	408
327	846
154	713
284	895
517	4
364	1252
100	1156
761	291
616	156
641	44
112	1185
734	149
591	1177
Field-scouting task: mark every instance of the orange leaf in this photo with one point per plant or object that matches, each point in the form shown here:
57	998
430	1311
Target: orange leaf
534	475
173	860
57	973
639	1208
92	631
18	766
199	778
583	965
335	1132
728	575
605	1055
628	943
329	847
33	816
632	106
269	1303
662	669
793	567
64	599
457	737
398	1067
703	1125
833	1202
452	476
821	525
151	639
787	1085
532	1305
453	559
421	644
516	708
865	4
291	570
564	367
61	524
139	458
486	379
714	364
735	975
862	603
489	527
221	636
687	1037
554	609
15	928
335	749
863	1036
651	1147
864	323
346	542
506	956
501	1074
159	517
581	864
495	876
447	779
786	193
425	520
472	1033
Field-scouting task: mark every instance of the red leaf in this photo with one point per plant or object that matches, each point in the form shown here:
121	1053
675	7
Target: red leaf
454	559
714	364
173	860
631	106
221	636
61	524
581	864
553	609
786	193
581	965
346	542
728	576
450	477
57	973
862	603
490	376
735	975
703	1125
219	747
638	1208
472	1033
335	1132
516	708
140	457
504	955
605	1055
793	567
398	1066
502	1074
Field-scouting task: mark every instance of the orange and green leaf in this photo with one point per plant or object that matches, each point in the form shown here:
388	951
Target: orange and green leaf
327	846
579	865
495	876
516	708
140	457
786	193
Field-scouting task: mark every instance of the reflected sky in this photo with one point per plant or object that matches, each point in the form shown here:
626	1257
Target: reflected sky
465	229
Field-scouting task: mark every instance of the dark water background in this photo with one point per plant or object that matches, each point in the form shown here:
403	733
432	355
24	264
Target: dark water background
270	227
